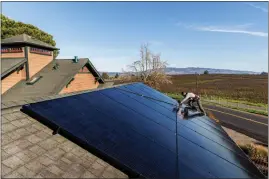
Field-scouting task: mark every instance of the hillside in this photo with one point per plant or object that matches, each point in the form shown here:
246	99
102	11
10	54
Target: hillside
193	70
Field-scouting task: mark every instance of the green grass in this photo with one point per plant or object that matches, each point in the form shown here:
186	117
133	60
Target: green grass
175	96
264	113
239	101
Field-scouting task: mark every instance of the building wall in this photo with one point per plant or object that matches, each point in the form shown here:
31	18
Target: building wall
12	79
84	69
13	55
82	81
37	62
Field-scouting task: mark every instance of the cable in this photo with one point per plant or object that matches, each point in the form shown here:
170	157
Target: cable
148	97
177	167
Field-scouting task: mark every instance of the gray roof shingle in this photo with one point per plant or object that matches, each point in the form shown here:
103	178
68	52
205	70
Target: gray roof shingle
9	64
52	81
29	150
26	39
15	104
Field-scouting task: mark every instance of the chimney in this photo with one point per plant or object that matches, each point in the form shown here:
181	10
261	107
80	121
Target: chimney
75	59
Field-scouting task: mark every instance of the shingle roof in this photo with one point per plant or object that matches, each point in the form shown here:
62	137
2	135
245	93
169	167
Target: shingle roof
52	81
26	39
10	105
29	150
9	64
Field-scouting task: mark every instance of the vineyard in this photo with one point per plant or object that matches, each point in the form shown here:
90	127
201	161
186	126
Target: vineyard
250	88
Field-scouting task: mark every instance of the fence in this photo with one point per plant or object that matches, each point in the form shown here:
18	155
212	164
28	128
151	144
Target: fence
234	104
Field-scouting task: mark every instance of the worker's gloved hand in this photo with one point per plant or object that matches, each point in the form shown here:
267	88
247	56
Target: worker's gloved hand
176	108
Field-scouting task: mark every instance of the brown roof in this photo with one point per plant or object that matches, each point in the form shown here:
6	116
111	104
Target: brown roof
30	150
26	39
52	81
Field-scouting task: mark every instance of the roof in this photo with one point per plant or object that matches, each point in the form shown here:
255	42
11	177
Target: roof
137	129
52	81
95	72
106	84
29	150
26	39
10	64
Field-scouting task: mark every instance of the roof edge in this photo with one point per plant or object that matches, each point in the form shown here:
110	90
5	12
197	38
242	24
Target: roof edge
29	43
100	77
5	73
68	79
19	103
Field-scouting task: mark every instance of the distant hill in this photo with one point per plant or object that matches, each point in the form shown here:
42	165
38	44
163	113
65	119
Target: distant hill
111	73
193	70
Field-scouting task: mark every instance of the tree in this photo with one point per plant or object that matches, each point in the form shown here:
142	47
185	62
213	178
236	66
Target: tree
105	75
206	72
264	73
117	75
11	28
149	69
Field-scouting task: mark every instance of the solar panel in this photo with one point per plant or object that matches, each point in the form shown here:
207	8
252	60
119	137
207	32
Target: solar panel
135	128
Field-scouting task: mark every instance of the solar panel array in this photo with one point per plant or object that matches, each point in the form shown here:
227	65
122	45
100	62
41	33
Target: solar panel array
136	127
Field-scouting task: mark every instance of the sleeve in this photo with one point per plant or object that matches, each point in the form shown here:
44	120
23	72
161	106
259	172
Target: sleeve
187	97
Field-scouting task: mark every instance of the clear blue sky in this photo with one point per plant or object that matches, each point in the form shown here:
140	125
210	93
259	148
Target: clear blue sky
229	35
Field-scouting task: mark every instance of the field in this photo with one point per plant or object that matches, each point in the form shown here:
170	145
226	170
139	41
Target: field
248	88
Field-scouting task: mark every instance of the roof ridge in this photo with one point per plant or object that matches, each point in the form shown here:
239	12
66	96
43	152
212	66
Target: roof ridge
18	103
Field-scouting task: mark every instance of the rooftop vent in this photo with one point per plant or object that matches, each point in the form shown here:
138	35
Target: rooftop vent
75	59
56	66
34	80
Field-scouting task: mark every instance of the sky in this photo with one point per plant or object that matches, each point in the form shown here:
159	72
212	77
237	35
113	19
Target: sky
226	35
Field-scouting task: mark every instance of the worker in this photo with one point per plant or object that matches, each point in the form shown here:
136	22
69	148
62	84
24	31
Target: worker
190	98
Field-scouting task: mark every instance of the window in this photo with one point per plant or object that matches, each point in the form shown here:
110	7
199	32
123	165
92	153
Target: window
40	51
11	50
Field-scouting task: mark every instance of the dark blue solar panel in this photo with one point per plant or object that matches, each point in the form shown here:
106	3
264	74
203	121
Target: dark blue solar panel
151	104
137	88
142	135
223	141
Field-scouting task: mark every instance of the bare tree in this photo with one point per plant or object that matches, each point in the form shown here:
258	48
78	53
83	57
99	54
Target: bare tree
149	69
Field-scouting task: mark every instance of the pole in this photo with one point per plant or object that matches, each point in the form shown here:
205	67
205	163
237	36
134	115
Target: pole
196	82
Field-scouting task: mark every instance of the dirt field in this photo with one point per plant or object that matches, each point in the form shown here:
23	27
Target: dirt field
252	88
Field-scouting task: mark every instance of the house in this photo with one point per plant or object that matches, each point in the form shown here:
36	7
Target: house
60	120
29	69
128	130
